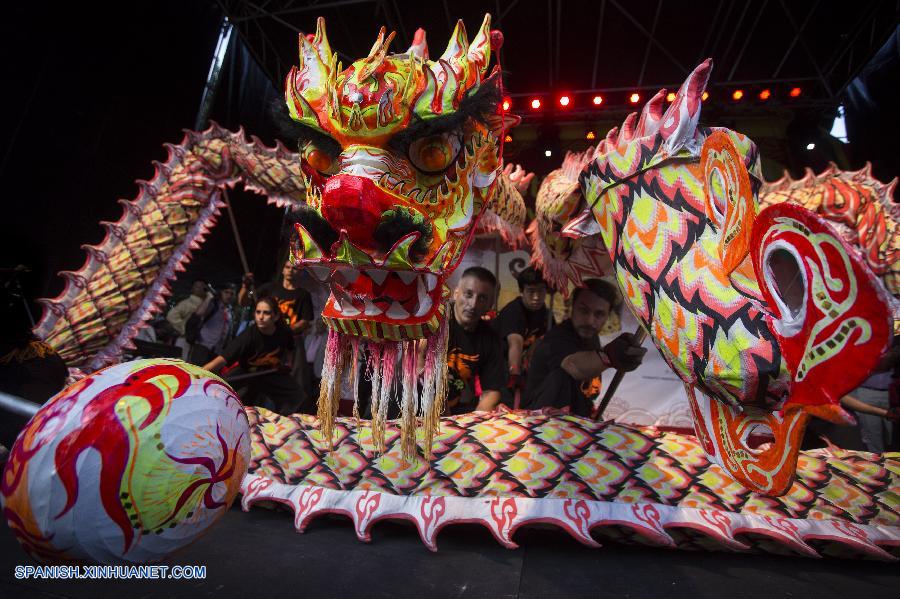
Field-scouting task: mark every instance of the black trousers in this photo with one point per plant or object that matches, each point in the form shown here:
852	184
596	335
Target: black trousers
200	355
277	391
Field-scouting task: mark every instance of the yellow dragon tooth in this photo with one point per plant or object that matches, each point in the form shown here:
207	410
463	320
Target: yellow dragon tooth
350	254
311	250
398	258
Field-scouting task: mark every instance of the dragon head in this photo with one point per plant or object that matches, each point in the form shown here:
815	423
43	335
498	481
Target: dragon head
767	313
400	156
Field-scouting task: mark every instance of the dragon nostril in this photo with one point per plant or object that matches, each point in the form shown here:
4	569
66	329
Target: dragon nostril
322	232
399	222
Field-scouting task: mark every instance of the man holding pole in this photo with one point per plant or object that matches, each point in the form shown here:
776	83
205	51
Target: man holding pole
566	366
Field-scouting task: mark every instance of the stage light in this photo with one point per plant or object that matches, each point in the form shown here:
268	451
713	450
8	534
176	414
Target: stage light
508	139
810	146
591	135
737	94
548	153
507	104
535	104
564	101
765	94
634	98
598	100
704	96
670	97
795	92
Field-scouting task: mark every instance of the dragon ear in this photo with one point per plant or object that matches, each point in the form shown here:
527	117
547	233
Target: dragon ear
306	84
479	53
458	45
730	204
679	123
419	47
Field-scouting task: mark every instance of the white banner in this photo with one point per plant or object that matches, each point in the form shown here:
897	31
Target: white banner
651	395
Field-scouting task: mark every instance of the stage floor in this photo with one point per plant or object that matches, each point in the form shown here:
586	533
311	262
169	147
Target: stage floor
259	554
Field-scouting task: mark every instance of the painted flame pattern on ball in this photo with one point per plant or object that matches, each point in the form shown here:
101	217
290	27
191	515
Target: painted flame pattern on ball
151	452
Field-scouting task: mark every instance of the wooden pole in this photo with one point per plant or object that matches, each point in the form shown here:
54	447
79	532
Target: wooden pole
249	375
639	335
234	228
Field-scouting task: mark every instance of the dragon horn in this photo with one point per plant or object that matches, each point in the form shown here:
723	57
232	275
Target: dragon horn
628	129
679	123
651	115
376	55
378	42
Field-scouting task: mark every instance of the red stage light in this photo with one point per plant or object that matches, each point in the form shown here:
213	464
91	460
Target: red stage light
508	139
564	101
704	96
536	103
590	135
634	98
795	92
598	100
670	97
507	104
764	95
737	94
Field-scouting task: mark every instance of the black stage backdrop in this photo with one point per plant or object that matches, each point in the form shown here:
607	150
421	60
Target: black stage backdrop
91	91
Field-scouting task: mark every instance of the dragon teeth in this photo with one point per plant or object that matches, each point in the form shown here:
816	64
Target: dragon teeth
420	286
396	312
407	277
424	305
351	274
320	272
344	304
430	282
371	309
350	310
377	275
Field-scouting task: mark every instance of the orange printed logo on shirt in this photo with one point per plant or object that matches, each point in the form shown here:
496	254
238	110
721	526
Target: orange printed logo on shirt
591	388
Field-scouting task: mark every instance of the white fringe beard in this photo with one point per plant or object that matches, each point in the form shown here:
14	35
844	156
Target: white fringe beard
393	369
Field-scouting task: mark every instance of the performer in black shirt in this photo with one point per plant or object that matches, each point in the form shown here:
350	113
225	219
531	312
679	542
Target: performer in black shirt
294	302
267	346
520	324
473	348
296	306
566	365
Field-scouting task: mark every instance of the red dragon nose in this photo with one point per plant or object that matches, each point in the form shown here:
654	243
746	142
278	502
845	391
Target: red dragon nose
355	204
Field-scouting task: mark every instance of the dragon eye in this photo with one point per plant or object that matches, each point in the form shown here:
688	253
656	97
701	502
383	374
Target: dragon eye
319	159
434	154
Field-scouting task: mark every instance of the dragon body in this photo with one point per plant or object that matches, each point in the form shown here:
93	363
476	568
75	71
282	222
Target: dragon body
597	481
